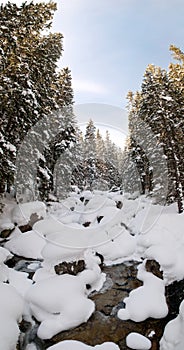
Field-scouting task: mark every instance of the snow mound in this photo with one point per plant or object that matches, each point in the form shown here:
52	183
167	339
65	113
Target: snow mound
77	345
11	306
61	302
21	213
147	300
137	341
4	256
173	337
164	242
28	244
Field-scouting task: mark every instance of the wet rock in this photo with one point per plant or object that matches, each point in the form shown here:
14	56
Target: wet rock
154	267
99	218
101	258
28	227
174	296
87	224
119	204
23	265
6	233
72	268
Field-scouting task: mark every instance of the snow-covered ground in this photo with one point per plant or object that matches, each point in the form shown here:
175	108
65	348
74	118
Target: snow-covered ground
107	223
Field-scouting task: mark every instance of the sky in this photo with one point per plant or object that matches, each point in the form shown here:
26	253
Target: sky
109	43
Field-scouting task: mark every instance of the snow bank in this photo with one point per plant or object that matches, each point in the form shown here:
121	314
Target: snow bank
77	345
164	242
137	341
147	300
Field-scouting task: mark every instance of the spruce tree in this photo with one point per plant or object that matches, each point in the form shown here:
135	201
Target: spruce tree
160	108
90	154
30	87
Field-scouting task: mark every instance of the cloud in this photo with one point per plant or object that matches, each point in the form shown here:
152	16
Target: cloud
88	86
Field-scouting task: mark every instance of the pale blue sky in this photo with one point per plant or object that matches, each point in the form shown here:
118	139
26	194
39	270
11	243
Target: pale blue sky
109	43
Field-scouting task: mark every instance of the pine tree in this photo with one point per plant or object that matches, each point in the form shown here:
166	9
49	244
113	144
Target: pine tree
64	137
90	154
176	78
145	167
136	153
30	87
160	109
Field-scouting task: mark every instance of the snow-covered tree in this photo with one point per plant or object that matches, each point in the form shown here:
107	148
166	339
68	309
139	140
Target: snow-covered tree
160	108
30	86
176	78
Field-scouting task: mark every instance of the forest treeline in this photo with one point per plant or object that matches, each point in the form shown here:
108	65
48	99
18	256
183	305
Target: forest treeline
33	89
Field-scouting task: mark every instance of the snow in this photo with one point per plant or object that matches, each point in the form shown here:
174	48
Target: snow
138	341
7	226
164	242
21	213
140	230
147	300
61	302
11	306
173	337
4	256
28	244
76	345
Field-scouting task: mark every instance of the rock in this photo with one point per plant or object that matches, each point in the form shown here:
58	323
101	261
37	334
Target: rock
174	296
6	229
72	268
154	267
87	224
28	227
6	233
119	204
99	218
